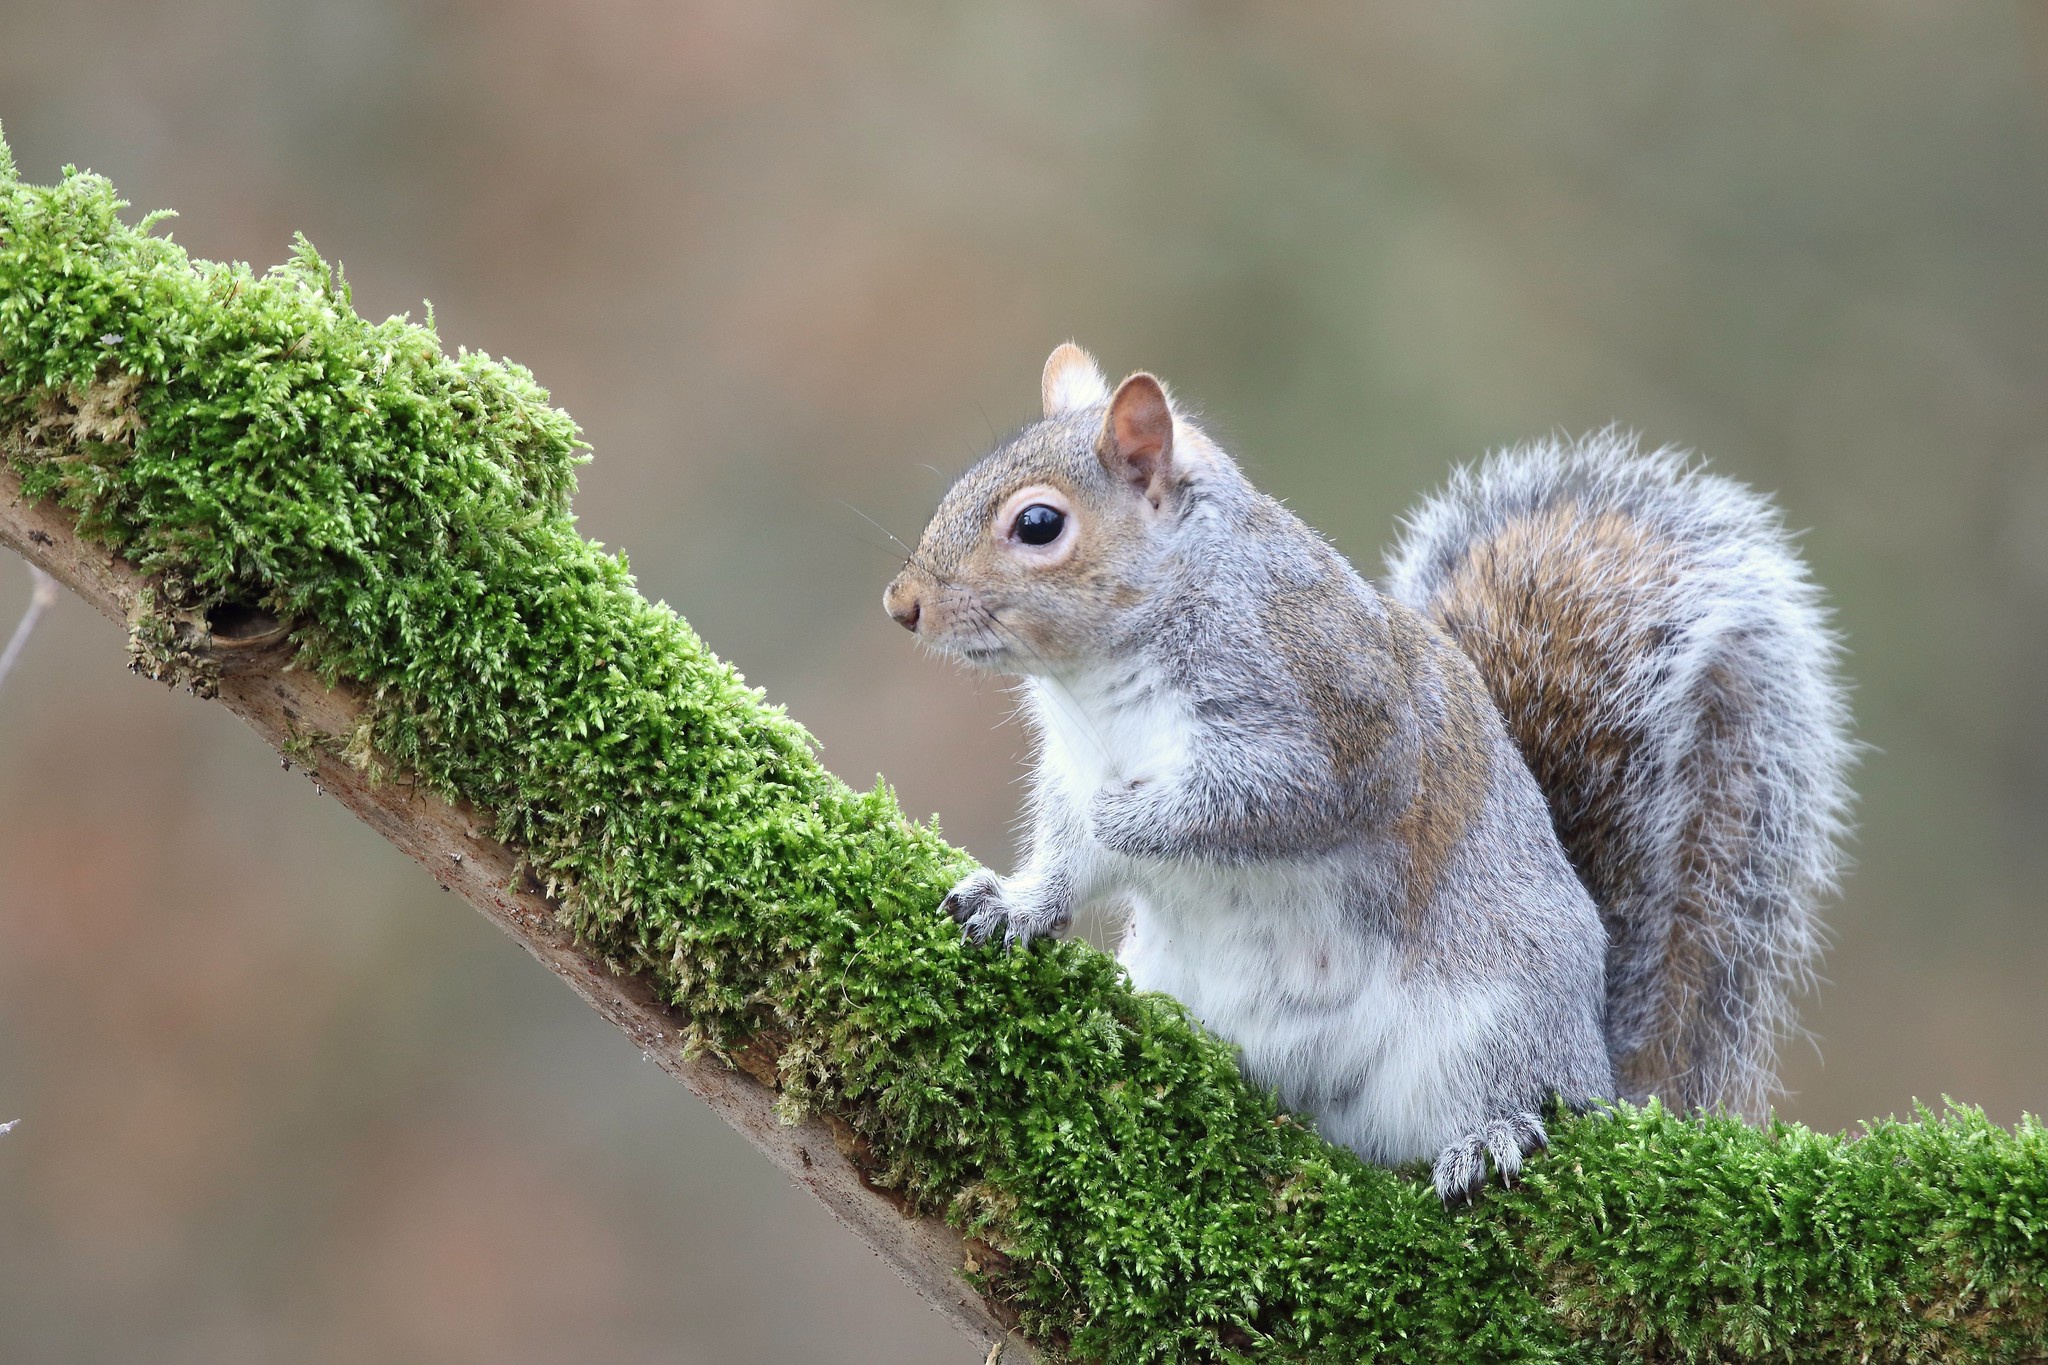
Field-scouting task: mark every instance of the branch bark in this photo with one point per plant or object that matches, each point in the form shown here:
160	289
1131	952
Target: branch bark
288	708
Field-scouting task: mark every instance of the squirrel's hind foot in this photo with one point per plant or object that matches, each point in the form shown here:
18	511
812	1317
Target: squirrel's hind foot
1460	1169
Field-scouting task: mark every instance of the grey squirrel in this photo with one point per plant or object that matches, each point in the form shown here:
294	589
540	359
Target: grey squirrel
1544	817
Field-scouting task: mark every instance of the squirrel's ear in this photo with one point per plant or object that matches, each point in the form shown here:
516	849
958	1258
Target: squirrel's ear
1071	380
1137	436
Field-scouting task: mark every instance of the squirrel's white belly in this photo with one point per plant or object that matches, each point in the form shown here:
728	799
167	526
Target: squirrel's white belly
1276	958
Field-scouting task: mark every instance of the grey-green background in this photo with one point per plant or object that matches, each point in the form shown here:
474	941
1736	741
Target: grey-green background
283	1101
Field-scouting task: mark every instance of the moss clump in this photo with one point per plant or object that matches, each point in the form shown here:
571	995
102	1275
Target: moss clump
248	439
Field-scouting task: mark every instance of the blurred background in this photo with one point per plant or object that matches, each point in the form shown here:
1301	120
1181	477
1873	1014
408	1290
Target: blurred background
792	267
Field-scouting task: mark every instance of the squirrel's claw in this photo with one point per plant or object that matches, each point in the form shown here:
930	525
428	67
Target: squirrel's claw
1460	1169
977	903
983	908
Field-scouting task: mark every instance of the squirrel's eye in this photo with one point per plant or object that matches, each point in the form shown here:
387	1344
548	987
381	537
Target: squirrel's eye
1039	524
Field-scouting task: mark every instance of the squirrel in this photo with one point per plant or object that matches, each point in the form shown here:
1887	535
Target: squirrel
1542	820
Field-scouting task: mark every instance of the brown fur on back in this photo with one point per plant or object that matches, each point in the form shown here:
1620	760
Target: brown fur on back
1349	662
1455	772
1330	646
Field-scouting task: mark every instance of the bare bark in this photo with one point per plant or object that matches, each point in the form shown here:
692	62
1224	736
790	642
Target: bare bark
288	708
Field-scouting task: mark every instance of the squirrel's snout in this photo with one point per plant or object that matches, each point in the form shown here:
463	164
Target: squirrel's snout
900	601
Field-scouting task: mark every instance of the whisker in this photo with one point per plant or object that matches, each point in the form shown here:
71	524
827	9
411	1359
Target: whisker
864	543
877	525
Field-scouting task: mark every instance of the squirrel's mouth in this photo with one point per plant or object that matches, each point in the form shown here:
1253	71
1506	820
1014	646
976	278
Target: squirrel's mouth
980	653
970	632
982	649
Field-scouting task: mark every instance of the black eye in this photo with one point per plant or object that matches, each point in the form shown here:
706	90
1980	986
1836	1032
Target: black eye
1039	524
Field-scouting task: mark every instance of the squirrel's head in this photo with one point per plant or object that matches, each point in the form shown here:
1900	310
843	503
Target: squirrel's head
1035	559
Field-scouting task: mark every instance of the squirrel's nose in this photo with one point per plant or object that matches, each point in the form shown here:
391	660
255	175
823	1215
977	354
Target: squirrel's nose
902	604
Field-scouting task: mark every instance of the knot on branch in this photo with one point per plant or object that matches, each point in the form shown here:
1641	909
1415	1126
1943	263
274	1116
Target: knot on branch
195	647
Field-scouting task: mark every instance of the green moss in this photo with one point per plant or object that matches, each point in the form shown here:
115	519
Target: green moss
247	438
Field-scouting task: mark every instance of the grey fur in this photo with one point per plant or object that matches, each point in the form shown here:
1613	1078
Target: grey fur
1390	928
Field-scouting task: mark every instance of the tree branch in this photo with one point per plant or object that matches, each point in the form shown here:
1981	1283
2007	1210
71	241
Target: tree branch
308	723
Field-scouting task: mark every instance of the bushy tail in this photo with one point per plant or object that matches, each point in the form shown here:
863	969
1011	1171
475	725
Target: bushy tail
1665	664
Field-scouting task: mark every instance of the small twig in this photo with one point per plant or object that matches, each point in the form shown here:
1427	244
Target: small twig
41	598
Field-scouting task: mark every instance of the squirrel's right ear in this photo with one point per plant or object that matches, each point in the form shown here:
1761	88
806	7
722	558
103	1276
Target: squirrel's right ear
1071	380
1136	444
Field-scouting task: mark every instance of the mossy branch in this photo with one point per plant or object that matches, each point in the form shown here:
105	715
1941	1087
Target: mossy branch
364	546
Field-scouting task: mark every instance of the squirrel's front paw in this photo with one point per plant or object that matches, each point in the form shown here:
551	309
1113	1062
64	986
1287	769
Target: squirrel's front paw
1118	818
1460	1169
984	907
